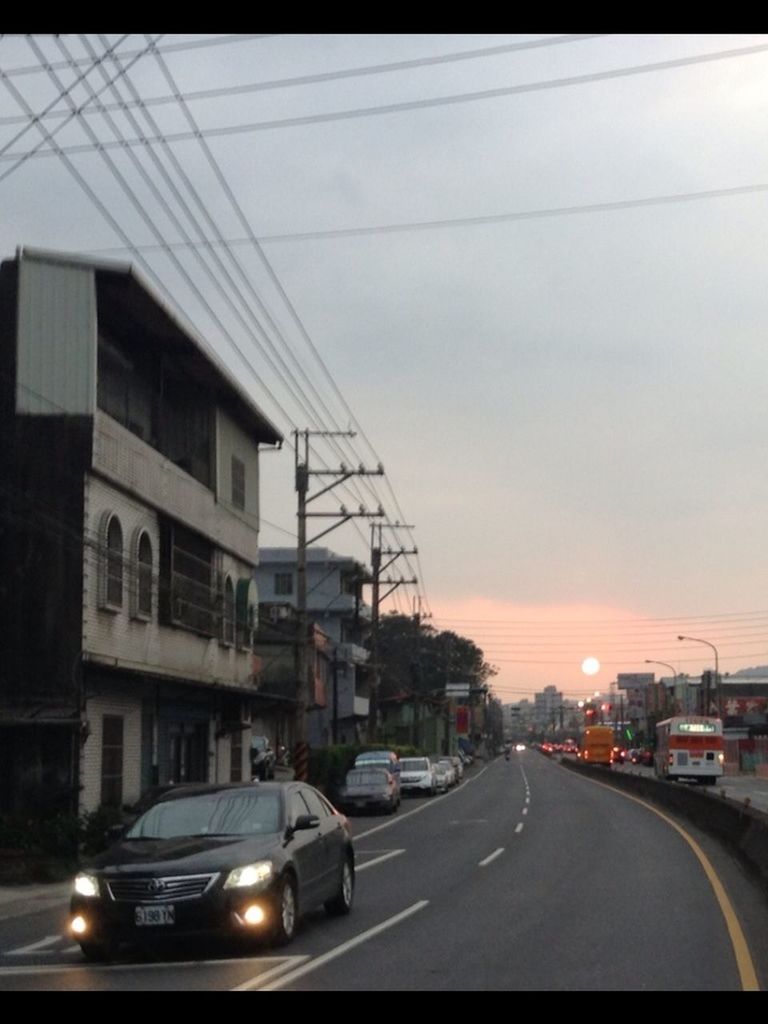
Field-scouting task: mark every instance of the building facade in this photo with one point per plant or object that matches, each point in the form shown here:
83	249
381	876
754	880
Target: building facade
128	542
339	622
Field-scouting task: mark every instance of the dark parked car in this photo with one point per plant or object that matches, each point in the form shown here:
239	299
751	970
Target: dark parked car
369	789
237	859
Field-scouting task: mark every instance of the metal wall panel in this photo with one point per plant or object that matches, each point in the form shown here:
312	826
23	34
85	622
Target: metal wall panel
56	339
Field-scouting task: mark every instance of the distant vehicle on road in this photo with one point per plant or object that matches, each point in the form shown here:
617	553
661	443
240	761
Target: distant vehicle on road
455	762
690	748
370	788
443	776
387	758
417	775
597	745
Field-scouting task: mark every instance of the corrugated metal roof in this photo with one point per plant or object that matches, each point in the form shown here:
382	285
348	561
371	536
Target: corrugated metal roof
268	432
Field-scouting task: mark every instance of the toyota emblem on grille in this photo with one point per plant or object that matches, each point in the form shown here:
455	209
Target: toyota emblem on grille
156	885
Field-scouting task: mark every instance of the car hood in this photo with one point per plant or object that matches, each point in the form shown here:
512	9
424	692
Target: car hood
186	853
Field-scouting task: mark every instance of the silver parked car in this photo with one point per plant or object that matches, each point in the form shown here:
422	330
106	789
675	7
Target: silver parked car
371	788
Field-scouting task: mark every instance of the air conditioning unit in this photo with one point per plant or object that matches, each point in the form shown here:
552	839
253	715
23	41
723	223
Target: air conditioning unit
278	612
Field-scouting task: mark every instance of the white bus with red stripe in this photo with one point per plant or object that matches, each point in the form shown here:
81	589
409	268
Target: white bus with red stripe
690	748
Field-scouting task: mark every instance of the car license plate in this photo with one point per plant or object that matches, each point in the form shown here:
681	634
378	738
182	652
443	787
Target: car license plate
155	915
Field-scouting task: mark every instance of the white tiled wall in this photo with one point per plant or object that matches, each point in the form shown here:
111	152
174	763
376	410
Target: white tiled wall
117	638
90	767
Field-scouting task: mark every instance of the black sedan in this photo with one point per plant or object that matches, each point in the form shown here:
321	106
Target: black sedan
216	860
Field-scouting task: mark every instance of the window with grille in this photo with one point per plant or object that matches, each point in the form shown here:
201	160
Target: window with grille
283	583
189	595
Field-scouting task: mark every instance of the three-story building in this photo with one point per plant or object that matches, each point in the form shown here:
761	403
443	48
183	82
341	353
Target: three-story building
129	523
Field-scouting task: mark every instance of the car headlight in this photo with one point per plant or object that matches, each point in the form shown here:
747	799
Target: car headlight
249	874
86	885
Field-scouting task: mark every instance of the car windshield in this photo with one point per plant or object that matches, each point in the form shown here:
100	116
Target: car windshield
414	764
246	812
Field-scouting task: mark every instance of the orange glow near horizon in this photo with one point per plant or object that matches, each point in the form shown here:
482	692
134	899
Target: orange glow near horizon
534	646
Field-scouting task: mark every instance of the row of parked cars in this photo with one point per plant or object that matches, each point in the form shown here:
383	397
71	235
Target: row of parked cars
380	779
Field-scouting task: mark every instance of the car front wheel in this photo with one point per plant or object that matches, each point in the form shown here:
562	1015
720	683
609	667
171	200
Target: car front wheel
287	911
342	902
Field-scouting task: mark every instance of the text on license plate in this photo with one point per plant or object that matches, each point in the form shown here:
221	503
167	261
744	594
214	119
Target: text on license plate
155	915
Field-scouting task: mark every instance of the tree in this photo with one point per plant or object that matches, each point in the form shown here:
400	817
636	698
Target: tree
415	658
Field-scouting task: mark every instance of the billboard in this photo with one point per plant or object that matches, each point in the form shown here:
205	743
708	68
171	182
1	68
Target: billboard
630	680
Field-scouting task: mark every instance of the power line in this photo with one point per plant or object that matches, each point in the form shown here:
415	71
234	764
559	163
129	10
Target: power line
225	92
194	44
412	105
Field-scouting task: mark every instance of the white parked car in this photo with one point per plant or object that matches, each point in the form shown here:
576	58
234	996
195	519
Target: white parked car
443	776
453	776
417	775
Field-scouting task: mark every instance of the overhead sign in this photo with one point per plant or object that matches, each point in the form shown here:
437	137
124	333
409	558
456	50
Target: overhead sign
457	689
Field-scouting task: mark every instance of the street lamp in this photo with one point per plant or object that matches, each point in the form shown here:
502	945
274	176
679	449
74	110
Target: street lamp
697	640
651	661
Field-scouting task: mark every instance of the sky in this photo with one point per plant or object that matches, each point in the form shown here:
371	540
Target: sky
526	274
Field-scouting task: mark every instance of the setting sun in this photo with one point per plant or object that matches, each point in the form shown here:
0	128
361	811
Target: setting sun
590	666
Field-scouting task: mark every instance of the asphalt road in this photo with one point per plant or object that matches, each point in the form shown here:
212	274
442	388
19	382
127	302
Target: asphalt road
526	877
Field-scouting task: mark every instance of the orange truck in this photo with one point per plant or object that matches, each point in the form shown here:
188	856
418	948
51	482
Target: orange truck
597	745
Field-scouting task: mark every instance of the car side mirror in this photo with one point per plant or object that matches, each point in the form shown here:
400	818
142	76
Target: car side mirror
305	821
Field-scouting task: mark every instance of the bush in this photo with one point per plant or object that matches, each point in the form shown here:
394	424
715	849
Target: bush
328	767
46	848
93	827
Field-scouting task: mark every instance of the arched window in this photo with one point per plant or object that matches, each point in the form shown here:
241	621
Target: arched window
144	576
229	612
114	563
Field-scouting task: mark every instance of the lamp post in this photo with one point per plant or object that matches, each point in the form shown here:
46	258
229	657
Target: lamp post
652	661
697	640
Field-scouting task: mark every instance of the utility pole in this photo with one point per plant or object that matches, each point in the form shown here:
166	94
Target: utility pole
302	477
376	569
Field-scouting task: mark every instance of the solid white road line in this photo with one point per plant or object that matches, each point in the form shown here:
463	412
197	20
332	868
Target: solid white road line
320	961
491	857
